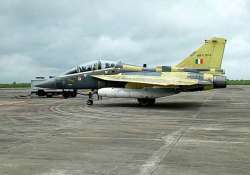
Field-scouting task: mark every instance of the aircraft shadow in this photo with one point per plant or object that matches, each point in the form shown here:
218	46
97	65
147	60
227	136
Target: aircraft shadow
159	105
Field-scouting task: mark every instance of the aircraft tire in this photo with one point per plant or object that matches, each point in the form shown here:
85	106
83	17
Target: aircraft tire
41	93
66	94
73	93
146	101
90	102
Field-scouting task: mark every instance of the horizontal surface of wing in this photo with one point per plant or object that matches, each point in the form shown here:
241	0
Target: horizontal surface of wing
151	80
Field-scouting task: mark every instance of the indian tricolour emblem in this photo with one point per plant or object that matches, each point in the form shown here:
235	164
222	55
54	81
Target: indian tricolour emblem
199	61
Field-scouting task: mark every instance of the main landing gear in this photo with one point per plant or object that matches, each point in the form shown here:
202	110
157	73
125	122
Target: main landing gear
146	101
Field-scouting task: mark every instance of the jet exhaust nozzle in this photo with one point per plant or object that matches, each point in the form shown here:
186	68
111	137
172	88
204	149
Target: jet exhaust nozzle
219	81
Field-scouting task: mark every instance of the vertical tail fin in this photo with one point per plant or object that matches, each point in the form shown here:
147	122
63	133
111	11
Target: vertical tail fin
208	56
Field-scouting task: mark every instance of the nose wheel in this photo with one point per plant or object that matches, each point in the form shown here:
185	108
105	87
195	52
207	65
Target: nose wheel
90	102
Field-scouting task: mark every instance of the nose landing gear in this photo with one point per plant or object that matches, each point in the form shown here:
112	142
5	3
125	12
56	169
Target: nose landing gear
90	100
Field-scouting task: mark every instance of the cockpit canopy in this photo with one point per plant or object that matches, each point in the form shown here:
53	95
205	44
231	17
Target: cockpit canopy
94	65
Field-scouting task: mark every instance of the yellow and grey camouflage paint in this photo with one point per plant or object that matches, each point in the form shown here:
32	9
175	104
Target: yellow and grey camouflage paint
211	52
198	69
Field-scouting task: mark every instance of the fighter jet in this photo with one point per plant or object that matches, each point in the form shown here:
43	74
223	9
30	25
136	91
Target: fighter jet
198	72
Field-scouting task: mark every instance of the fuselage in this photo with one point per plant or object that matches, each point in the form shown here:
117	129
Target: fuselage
82	77
199	71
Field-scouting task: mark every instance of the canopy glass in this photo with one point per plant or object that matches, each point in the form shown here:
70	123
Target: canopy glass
93	65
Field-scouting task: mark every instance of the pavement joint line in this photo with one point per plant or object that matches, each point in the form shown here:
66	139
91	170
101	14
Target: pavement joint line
118	138
152	163
56	109
53	141
12	103
170	140
215	141
38	136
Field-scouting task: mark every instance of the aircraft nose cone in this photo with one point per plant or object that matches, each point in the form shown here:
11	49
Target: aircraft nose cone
47	84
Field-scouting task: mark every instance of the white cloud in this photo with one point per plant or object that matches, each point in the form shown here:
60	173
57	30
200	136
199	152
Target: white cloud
21	68
119	47
54	36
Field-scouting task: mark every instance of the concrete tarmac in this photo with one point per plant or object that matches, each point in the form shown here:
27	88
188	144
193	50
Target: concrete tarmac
189	133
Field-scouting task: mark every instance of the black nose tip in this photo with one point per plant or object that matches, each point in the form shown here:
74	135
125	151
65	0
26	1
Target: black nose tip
47	84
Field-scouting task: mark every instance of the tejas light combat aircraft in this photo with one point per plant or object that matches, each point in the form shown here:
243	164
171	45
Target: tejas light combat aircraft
199	71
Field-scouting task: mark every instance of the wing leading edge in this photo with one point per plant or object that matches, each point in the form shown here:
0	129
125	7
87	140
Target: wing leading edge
165	81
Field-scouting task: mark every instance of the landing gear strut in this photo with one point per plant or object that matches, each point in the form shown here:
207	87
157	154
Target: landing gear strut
90	100
146	101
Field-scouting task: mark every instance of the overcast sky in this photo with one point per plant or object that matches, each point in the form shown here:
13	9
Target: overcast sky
44	37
